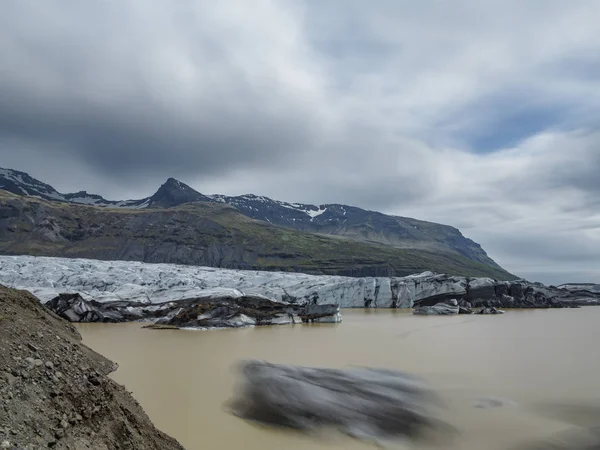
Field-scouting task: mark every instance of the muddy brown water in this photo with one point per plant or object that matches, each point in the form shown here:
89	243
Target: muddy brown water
183	379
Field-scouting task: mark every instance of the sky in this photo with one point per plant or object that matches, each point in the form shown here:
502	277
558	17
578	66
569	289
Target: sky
481	115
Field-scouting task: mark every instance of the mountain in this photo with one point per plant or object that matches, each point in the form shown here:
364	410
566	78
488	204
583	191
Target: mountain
359	224
329	226
175	193
205	234
20	183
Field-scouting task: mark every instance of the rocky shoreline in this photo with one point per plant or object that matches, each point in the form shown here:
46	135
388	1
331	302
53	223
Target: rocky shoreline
55	392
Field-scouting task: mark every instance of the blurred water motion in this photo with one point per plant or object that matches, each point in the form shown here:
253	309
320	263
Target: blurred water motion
365	403
585	435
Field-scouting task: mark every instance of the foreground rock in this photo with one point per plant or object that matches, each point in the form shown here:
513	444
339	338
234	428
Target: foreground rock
218	309
159	283
364	403
54	391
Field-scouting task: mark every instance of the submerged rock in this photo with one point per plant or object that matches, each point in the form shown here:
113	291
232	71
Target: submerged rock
575	439
489	311
440	309
492	402
361	402
213	310
585	433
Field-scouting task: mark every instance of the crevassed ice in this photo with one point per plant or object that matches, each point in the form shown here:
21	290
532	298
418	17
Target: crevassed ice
153	283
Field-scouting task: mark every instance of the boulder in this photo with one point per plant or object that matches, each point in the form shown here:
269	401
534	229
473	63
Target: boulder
361	402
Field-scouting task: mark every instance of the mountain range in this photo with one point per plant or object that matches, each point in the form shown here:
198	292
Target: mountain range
177	224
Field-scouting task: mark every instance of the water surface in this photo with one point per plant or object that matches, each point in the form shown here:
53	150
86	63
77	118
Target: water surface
184	378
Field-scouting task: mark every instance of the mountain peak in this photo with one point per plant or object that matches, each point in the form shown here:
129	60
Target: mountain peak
20	183
173	193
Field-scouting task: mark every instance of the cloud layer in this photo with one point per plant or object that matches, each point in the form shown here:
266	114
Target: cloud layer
484	116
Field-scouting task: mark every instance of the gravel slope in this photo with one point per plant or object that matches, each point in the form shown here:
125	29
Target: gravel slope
54	391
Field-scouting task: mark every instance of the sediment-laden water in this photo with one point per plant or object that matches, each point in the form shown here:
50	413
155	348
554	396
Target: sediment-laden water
184	378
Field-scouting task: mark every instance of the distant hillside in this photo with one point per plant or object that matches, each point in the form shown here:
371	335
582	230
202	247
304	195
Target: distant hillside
349	222
210	234
359	224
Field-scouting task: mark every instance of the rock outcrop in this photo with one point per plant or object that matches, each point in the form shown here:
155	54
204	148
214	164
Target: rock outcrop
159	283
55	392
220	309
364	403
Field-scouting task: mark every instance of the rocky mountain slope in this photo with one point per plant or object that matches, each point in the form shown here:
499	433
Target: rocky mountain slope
54	391
20	183
104	281
331	219
359	224
209	234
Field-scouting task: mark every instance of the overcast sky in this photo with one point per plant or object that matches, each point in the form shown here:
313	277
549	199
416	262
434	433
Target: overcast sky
484	115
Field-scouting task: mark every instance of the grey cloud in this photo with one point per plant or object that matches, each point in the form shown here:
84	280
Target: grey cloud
108	103
384	106
582	172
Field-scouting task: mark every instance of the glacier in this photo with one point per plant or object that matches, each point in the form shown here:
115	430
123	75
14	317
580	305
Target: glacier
46	277
133	281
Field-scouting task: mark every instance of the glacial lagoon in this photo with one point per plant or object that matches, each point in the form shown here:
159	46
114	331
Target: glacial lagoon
516	362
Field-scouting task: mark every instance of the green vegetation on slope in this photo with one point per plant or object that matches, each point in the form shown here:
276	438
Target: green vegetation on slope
206	234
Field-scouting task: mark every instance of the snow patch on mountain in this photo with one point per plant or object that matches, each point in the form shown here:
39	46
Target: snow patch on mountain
28	185
85	200
316	213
